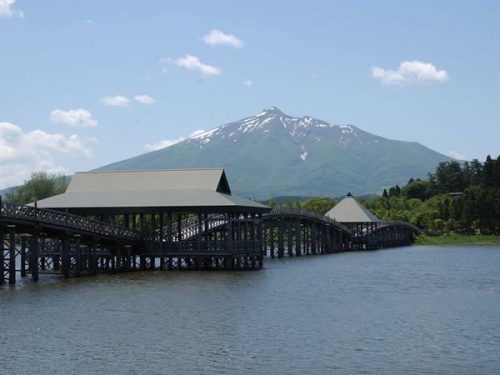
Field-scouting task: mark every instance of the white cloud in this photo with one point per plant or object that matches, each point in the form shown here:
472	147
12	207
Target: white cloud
169	142
248	83
7	12
217	37
456	155
74	117
410	72
115	101
193	63
144	99
22	153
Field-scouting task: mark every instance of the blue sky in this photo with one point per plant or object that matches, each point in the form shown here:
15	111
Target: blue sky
86	83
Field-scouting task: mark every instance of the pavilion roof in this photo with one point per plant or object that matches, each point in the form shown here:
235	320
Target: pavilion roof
349	210
179	189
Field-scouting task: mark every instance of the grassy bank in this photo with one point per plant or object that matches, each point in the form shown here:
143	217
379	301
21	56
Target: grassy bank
457	239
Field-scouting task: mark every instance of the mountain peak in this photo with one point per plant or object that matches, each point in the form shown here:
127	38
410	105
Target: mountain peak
273	111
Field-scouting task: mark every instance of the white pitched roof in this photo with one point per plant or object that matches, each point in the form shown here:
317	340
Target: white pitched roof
349	210
133	190
165	179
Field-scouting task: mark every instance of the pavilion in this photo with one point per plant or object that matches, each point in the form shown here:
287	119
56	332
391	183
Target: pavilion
187	214
350	211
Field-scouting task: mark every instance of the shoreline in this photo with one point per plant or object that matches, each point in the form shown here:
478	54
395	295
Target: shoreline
458	239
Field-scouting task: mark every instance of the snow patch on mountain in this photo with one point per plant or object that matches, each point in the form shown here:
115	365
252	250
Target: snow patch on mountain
272	120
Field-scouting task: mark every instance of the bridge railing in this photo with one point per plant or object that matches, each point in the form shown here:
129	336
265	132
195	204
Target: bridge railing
401	223
64	220
392	223
301	212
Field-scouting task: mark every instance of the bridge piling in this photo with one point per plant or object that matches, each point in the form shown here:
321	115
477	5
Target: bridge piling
12	255
33	259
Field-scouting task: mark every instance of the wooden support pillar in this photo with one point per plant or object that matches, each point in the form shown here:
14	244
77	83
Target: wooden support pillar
270	237
179	227
12	255
281	245
314	238
78	256
65	256
169	226
199	230
2	254
298	235
93	257
328	239
23	256
246	233
141	222
229	242
34	255
161	225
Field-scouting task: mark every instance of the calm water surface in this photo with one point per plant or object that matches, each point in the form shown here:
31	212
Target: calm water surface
408	310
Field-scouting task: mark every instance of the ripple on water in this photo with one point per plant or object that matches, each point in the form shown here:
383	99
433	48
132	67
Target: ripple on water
418	310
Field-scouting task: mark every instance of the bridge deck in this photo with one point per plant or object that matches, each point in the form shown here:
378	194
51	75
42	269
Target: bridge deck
35	241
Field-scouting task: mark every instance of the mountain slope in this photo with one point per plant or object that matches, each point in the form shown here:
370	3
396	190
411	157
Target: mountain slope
274	154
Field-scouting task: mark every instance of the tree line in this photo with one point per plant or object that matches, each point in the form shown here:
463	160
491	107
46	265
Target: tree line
459	197
41	185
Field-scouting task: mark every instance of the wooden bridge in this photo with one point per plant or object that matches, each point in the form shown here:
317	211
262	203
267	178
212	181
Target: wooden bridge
295	232
35	241
173	219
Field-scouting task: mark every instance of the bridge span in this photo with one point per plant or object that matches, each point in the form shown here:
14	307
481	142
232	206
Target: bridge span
35	241
173	219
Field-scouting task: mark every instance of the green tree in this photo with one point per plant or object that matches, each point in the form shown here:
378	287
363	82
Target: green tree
41	185
319	205
450	177
416	189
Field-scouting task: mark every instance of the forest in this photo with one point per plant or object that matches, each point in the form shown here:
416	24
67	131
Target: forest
460	197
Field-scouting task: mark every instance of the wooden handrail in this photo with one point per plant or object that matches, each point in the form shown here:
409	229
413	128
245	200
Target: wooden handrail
65	220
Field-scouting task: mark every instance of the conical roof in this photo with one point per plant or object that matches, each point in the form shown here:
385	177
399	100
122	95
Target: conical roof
349	210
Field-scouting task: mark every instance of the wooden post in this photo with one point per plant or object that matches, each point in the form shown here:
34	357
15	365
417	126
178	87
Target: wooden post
298	235
65	256
179	227
198	235
2	255
23	256
141	222
93	257
169	226
161	225
281	245
34	255
12	255
78	256
229	243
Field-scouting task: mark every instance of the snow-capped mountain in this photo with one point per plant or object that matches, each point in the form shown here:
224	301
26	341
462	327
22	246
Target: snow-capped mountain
272	154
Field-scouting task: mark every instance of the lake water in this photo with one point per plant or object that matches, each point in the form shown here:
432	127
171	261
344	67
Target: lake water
429	310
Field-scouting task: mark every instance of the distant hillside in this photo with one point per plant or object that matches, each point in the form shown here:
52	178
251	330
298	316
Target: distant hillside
274	154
